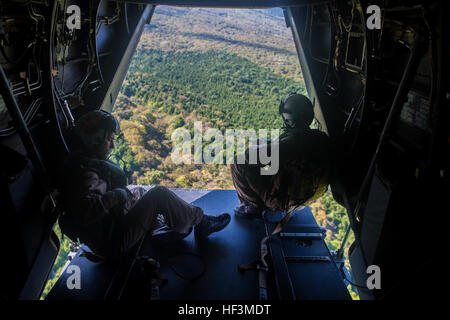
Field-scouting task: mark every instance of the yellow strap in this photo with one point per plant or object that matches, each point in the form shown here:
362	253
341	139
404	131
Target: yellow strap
283	221
262	268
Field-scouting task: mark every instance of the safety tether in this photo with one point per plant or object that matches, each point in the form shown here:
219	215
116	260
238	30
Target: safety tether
261	263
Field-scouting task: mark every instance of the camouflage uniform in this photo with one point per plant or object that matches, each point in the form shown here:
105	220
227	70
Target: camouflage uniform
108	216
301	178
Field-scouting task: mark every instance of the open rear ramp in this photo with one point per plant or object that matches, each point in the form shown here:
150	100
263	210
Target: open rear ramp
301	266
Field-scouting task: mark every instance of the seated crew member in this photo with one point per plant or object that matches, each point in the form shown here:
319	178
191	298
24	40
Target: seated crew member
105	214
303	165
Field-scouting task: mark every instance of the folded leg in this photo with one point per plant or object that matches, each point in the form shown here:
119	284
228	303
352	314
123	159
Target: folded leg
179	215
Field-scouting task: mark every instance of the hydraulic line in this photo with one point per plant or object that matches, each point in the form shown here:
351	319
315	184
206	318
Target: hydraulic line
22	128
52	84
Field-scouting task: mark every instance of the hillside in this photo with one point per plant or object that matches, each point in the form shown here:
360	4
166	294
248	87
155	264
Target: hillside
260	36
229	71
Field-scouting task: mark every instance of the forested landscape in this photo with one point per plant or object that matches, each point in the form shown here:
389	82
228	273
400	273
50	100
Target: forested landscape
226	68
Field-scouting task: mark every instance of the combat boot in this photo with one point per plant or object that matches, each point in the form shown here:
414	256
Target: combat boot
210	224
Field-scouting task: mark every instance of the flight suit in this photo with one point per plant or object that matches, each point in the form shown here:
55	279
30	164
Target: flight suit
109	217
304	167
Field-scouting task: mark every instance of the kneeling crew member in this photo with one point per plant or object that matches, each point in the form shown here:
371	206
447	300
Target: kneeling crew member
304	165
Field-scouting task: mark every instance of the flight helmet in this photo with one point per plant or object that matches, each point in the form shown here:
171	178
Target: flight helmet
296	111
94	126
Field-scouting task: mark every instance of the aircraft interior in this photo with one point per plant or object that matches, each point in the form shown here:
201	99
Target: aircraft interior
380	91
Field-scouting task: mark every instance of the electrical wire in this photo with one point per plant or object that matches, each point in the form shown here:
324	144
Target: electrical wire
28	116
90	63
348	27
126	17
354	284
182	276
55	99
351	282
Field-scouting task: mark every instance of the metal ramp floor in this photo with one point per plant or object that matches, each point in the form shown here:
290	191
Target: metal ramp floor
216	259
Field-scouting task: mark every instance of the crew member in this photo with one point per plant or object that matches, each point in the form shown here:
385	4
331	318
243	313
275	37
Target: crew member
106	214
304	165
